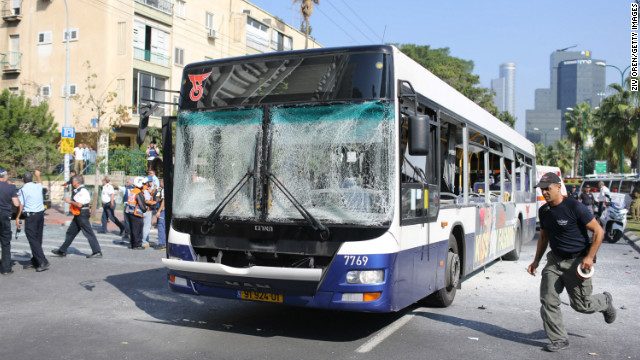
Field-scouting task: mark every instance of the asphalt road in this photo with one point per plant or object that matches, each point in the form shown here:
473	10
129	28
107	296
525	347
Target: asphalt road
119	307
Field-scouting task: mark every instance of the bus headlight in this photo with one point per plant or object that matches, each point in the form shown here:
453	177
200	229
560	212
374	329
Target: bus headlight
365	276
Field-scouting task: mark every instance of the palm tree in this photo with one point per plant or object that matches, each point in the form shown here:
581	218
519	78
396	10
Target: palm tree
541	154
306	9
563	153
620	119
575	127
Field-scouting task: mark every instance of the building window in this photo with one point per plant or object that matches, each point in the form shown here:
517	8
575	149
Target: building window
73	90
280	42
208	22
181	9
45	91
73	32
44	37
178	57
147	88
150	43
14	91
257	35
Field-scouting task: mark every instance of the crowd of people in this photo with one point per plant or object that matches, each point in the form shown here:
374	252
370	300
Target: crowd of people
143	201
84	159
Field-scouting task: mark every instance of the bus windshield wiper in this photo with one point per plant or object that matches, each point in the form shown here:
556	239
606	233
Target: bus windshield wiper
315	224
215	214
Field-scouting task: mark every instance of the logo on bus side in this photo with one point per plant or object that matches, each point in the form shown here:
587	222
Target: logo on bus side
197	91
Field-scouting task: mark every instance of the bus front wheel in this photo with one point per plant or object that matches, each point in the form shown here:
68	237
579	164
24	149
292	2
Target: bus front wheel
444	297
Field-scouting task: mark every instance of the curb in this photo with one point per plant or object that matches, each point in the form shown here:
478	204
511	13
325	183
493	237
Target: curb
632	239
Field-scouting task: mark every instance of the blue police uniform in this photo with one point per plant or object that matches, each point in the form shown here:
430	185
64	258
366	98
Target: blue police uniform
7	193
30	196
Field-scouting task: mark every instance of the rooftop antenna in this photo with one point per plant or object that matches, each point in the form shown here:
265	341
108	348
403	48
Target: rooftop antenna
567	48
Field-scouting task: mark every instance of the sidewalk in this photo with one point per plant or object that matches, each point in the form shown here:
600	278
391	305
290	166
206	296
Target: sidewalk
632	239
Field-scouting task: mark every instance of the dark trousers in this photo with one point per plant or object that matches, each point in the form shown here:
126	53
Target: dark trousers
136	230
5	241
127	225
81	223
33	227
107	213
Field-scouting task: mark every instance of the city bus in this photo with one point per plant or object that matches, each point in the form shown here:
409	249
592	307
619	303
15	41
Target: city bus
339	178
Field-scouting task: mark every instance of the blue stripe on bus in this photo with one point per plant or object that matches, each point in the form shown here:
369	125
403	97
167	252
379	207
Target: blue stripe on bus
409	276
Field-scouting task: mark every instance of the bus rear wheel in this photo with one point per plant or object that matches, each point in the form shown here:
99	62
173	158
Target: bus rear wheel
444	297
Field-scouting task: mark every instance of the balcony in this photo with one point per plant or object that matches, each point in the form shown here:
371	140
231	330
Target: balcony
12	10
152	57
11	62
161	5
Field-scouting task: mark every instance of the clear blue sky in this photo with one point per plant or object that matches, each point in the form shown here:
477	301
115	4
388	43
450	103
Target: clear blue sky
487	32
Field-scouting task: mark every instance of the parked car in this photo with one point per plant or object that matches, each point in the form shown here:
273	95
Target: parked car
616	184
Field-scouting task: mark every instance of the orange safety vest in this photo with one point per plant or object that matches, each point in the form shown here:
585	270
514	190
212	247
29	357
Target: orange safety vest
133	204
74	209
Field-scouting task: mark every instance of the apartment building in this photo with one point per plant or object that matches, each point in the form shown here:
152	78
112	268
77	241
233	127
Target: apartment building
129	44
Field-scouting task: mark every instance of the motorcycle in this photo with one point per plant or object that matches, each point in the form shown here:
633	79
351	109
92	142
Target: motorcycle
614	217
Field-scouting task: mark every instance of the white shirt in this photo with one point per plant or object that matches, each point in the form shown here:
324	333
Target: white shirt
107	190
603	190
82	196
78	152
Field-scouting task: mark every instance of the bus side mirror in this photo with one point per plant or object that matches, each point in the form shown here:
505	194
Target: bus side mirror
419	135
145	112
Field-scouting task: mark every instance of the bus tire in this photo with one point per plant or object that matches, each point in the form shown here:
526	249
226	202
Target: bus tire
515	253
444	297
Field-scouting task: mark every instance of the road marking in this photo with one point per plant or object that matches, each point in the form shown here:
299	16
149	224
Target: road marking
384	334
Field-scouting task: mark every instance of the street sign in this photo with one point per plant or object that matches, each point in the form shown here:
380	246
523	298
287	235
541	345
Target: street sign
67	145
68	132
601	167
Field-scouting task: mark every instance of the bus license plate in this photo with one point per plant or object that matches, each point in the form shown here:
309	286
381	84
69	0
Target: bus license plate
261	296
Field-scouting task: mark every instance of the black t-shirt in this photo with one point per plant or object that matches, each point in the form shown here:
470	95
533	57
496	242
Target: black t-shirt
587	199
565	226
7	191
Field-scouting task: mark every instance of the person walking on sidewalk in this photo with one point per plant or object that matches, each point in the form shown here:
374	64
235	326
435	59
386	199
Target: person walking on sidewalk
32	205
108	205
79	204
563	226
8	197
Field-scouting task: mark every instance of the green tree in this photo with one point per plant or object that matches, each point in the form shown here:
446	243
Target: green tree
109	116
306	9
457	73
29	135
563	155
541	154
575	127
619	119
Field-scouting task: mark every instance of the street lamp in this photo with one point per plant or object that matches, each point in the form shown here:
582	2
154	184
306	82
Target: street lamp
545	132
582	155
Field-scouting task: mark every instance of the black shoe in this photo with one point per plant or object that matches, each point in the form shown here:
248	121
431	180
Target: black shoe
95	255
7	272
122	232
610	312
160	247
557	346
57	252
43	267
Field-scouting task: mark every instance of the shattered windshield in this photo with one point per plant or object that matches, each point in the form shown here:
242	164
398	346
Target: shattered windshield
214	151
335	160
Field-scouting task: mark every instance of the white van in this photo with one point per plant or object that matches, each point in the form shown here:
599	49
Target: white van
541	170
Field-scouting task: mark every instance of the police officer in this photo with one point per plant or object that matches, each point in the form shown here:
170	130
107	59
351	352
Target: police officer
32	205
8	197
135	209
108	205
563	226
79	204
125	197
586	198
